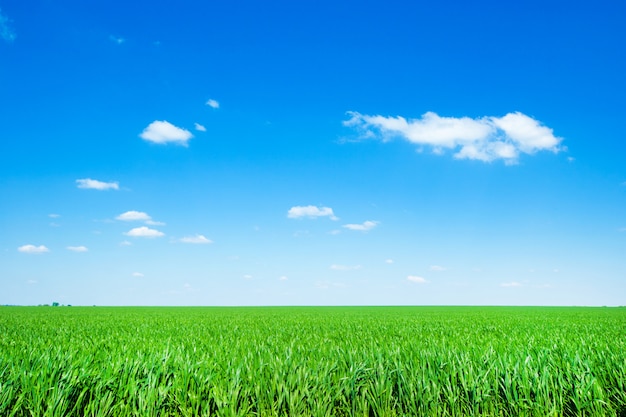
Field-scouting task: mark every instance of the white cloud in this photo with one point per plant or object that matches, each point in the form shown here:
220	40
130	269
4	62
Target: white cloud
6	32
134	216
54	215
311	212
485	139
247	276
125	243
78	248
144	231
389	261
417	280
198	239
437	268
138	274
88	183
33	249
511	284
199	127
336	267
364	227
213	103
162	131
32	282
155	223
283	278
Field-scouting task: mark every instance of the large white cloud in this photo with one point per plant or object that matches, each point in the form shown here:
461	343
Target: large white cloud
197	239
162	131
33	249
144	231
485	139
311	212
88	183
363	227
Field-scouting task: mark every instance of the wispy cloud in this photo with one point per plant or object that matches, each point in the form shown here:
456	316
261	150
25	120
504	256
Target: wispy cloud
283	278
199	127
417	280
144	231
336	267
117	39
125	243
363	227
437	268
297	212
138	274
6	32
389	261
484	139
78	248
162	132
54	215
88	183
213	103
511	284
197	239
33	249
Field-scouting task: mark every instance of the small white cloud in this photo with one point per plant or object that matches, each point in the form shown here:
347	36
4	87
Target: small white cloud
247	276
283	278
88	183
144	231
485	139
125	243
54	215
155	223
197	239
297	212
363	227
32	282
511	284
437	268
33	249
199	127
138	274
162	131
117	39
134	216
6	32
78	248
213	103
389	261
336	267
417	280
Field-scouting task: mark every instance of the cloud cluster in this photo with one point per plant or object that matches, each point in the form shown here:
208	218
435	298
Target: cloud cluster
6	32
88	183
485	139
297	212
162	132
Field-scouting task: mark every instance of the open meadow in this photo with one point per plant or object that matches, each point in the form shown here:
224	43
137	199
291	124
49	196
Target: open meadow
312	361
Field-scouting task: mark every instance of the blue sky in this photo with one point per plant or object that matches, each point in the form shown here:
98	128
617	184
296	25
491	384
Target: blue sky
318	153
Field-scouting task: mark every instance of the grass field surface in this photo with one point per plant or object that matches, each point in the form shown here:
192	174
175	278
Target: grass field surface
312	361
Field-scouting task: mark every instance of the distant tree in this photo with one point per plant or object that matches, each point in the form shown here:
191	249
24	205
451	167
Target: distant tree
55	304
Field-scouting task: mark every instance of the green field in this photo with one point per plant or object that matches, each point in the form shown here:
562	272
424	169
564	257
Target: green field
312	361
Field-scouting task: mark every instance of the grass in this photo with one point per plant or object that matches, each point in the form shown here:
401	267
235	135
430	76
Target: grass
312	361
